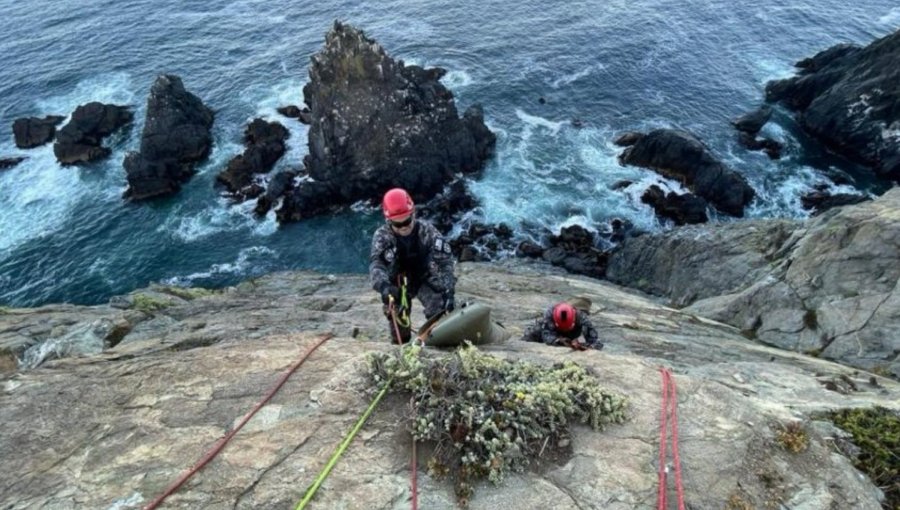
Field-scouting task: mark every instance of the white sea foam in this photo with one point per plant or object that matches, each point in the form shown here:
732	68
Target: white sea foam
573	77
245	262
536	121
111	88
767	70
778	194
37	197
892	18
456	79
221	216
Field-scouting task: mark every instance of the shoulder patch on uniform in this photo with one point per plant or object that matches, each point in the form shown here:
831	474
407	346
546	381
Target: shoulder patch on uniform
389	255
441	246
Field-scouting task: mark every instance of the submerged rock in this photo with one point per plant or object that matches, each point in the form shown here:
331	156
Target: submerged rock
820	201
377	123
849	99
681	156
753	121
176	137
6	163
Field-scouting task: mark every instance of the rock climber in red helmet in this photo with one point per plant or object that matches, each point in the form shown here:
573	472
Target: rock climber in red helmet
563	324
411	251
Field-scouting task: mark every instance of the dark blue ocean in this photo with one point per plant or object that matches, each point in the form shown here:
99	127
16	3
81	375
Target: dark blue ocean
67	236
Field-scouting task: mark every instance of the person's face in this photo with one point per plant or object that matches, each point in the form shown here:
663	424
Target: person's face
403	226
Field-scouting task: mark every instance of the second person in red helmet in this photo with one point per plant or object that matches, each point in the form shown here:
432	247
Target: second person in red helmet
563	324
410	258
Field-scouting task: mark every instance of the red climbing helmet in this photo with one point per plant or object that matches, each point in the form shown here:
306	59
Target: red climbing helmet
397	204
564	316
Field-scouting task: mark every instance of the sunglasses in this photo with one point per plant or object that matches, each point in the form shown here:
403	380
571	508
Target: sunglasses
401	224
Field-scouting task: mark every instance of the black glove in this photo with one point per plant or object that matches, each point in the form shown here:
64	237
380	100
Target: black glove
449	302
388	292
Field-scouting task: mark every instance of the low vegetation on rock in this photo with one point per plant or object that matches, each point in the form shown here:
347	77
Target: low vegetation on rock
876	432
487	416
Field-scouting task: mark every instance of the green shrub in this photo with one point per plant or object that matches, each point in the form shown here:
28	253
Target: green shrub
488	416
149	304
876	431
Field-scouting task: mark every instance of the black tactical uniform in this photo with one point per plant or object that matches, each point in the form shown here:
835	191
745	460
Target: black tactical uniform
424	258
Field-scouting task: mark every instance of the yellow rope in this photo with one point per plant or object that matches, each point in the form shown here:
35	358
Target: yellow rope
340	450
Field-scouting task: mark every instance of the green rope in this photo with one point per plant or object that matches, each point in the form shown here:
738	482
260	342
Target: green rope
404	306
340	450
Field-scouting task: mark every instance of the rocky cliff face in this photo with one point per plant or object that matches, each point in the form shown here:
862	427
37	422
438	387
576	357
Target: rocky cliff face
113	429
827	286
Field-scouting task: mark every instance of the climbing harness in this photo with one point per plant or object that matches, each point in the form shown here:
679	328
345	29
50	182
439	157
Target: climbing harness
224	440
669	415
399	318
340	449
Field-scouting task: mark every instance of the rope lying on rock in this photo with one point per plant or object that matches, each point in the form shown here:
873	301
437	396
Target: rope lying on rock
340	449
224	440
669	413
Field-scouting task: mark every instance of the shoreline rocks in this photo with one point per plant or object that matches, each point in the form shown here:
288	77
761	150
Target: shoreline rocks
681	156
849	99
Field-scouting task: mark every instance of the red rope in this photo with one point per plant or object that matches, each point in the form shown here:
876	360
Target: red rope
413	468
393	311
669	414
661	491
679	489
224	440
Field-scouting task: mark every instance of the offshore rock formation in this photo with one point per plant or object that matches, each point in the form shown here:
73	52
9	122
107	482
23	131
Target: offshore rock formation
112	430
377	123
30	132
681	156
849	98
80	140
827	286
264	143
176	137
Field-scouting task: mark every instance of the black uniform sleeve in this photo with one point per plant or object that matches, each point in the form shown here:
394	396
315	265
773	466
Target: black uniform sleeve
587	328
